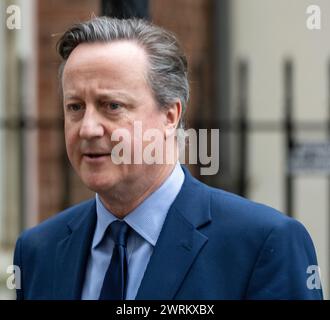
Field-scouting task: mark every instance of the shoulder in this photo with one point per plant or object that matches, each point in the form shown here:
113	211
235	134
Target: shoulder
244	218
229	212
245	210
250	242
57	226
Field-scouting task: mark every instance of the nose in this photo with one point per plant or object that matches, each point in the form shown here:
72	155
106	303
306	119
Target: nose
91	125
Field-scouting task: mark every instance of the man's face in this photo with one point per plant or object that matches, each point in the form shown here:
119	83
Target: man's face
104	89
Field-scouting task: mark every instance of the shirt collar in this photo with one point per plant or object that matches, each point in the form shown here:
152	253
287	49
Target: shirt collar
148	218
104	219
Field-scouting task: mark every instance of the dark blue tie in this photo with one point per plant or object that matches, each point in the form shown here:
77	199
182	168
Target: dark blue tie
115	279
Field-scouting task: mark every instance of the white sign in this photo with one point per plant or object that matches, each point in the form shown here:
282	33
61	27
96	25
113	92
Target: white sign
310	157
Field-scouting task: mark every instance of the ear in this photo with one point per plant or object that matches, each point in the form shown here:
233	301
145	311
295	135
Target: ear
173	115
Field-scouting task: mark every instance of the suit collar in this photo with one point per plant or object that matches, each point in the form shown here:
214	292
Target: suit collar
179	242
193	201
72	254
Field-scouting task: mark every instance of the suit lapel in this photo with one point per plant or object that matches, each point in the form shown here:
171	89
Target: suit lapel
179	242
72	254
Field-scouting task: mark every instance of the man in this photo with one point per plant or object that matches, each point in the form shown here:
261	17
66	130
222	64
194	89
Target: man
153	231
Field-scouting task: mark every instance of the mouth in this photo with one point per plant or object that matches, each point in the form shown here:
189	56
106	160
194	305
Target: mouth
96	157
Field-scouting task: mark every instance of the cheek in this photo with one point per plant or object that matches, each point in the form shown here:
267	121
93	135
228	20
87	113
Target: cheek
70	141
153	120
156	124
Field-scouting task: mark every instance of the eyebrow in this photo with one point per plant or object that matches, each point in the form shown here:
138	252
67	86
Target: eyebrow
71	96
102	95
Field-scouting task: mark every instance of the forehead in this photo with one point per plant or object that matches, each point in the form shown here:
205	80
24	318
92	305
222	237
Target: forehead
118	61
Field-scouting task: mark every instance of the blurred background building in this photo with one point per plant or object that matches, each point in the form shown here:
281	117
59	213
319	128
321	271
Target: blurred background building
257	72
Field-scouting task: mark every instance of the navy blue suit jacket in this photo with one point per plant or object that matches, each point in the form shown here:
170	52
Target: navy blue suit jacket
213	245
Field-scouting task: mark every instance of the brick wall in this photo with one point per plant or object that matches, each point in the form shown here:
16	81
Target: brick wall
54	16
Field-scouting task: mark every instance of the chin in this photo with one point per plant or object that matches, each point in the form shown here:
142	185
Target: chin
98	184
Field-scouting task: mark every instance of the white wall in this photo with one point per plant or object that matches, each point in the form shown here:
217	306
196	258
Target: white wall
23	49
265	32
2	101
27	50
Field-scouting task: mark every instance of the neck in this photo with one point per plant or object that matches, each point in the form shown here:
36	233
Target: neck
125	199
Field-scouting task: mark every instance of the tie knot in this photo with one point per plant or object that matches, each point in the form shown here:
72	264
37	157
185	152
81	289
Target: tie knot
119	231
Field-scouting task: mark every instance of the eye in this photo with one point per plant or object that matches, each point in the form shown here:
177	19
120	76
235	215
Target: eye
74	107
112	106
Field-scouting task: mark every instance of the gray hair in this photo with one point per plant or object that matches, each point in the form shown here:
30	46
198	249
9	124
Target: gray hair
167	70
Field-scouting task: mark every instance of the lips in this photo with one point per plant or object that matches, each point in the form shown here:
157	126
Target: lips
96	155
96	158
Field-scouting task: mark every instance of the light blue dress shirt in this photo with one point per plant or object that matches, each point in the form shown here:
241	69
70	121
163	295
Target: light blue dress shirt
146	222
